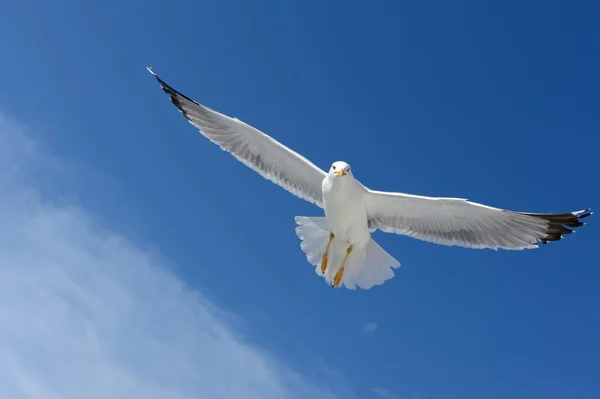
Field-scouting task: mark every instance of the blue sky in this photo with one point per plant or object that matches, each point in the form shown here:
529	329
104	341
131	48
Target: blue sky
117	207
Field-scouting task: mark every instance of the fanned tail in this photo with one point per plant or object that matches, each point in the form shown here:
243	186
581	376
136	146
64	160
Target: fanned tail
314	233
365	268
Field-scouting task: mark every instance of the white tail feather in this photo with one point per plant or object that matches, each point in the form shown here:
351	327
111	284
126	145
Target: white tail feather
365	267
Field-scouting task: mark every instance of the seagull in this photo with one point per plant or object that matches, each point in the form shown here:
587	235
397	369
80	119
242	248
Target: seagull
339	245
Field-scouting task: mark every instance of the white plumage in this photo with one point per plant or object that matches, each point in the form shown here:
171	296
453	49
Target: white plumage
339	245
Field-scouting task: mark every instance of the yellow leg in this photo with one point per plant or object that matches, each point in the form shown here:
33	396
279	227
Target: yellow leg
325	257
337	280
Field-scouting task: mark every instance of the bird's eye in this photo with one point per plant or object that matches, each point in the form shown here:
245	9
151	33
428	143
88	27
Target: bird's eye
333	167
347	170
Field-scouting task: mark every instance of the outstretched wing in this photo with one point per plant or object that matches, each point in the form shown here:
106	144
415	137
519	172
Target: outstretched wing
262	153
456	221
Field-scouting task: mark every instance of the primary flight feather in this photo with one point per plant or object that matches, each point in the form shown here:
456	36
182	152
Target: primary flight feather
339	245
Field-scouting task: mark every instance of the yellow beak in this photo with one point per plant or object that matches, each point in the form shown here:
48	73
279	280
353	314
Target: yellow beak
340	173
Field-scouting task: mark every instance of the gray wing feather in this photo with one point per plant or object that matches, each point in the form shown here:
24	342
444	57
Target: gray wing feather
456	221
253	148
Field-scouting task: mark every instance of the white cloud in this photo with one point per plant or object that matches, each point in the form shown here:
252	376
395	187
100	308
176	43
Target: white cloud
385	393
86	313
370	328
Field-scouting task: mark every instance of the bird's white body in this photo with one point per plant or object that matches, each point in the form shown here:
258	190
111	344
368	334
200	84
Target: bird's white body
344	227
345	207
339	244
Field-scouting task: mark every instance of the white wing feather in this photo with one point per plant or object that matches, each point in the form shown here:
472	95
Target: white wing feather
258	151
456	221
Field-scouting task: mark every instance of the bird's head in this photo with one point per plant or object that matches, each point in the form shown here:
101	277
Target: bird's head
340	169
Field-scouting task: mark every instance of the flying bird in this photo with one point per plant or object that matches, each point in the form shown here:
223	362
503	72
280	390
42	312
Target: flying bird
339	244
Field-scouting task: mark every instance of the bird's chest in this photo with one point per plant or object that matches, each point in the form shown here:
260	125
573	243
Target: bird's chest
346	211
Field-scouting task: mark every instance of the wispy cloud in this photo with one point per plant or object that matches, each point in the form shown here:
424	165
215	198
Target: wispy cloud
86	313
385	393
370	328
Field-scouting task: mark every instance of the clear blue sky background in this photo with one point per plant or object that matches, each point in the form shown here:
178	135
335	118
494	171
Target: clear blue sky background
497	103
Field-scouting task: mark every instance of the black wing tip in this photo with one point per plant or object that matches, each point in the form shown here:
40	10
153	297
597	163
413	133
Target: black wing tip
175	96
584	214
561	223
163	85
